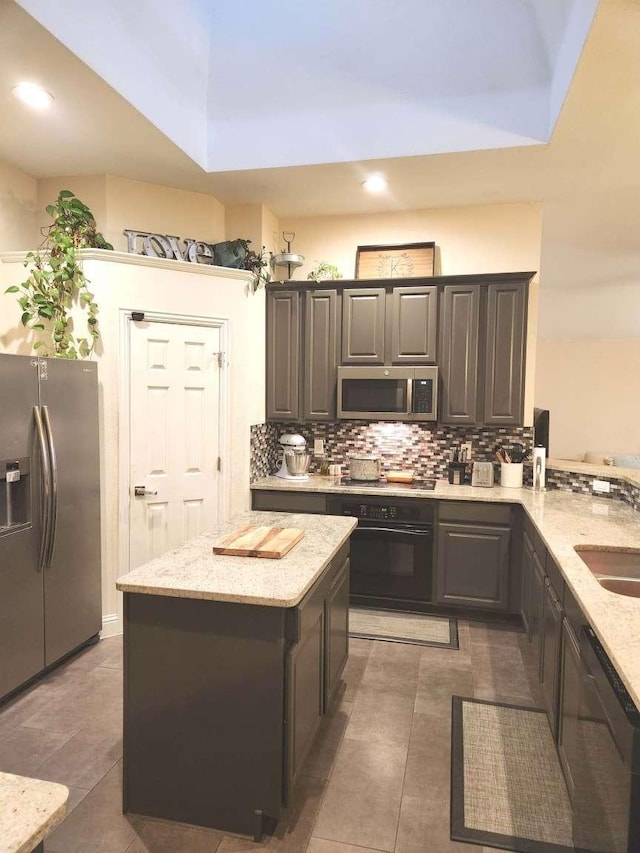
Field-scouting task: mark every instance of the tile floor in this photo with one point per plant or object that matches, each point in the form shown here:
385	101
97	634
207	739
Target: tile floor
377	779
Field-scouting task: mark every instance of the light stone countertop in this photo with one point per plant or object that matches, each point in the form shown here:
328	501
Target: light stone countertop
194	571
563	520
29	811
626	475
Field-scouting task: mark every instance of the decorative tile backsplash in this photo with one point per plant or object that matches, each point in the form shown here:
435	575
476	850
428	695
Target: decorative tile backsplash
424	448
421	447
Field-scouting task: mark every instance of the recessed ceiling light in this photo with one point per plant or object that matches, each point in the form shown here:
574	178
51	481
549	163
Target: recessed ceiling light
32	95
375	183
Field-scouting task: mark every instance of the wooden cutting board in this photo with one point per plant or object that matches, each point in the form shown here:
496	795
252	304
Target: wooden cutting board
260	541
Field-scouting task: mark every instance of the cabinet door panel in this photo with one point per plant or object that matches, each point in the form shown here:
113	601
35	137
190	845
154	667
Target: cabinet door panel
569	704
473	566
363	325
320	333
304	697
527	570
536	611
283	354
459	349
504	362
413	323
552	630
337	634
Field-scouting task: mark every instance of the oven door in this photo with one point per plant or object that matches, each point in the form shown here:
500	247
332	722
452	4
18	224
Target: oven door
391	562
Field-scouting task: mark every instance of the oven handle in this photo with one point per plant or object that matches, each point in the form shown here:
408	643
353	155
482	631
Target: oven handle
425	532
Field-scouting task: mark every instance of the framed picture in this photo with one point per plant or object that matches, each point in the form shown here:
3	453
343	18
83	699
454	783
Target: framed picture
408	260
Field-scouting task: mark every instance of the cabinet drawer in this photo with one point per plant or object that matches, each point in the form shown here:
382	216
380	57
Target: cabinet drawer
480	513
573	611
288	501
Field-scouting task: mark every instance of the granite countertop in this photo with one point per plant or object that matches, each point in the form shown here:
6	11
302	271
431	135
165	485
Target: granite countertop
627	475
29	810
194	571
563	520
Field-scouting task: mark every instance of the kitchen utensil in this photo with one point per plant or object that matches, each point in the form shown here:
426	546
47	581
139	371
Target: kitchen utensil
365	468
295	444
264	541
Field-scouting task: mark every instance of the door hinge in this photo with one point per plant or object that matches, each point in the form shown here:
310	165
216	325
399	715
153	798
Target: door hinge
137	316
219	463
222	359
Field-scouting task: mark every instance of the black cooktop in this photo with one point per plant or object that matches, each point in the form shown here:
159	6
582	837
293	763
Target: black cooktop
427	485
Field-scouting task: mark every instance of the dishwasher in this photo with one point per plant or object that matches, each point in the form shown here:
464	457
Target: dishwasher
606	806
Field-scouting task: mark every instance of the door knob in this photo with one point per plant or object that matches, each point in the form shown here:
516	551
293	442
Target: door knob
142	491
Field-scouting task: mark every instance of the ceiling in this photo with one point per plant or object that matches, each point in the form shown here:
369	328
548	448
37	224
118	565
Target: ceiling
586	176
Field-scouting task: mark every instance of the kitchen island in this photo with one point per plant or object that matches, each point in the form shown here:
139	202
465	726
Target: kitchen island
229	665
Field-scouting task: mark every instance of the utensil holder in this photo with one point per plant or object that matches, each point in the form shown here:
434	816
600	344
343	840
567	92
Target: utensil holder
511	475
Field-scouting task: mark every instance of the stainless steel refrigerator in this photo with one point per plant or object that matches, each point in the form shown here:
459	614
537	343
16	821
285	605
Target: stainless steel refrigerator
50	602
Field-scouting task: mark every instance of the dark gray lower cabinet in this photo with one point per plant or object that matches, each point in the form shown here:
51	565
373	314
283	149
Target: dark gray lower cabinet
536	609
472	568
222	701
525	583
550	661
336	634
569	704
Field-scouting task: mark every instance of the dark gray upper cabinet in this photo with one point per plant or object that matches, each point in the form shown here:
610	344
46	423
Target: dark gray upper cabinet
412	315
504	357
459	342
320	354
283	354
363	325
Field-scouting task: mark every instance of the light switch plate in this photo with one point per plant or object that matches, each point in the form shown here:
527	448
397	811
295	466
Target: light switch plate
468	446
601	486
318	446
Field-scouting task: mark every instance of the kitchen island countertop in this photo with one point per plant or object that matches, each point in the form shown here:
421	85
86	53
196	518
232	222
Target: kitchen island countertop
29	810
194	571
563	520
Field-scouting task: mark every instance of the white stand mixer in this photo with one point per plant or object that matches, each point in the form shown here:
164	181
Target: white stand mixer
294	447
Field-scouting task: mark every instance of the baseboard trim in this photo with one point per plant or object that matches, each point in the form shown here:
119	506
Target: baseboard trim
111	625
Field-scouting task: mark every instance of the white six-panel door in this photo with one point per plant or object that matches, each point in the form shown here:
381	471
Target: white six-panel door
174	434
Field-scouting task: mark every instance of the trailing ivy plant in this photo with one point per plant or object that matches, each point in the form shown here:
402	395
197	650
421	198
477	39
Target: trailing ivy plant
56	280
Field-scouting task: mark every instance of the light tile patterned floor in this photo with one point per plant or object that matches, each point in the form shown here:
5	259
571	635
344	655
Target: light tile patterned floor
377	779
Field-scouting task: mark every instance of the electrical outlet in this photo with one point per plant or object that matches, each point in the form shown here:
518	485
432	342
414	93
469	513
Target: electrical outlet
601	486
468	447
318	446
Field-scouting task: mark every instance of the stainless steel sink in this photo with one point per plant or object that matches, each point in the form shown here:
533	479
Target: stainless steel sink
611	562
623	586
615	569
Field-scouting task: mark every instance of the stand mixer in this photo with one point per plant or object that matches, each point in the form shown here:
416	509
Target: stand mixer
295	459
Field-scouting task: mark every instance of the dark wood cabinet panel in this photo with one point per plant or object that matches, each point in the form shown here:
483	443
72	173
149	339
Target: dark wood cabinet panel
525	583
283	355
363	325
412	316
459	342
472	567
550	661
569	704
536	610
337	634
504	357
320	354
304	698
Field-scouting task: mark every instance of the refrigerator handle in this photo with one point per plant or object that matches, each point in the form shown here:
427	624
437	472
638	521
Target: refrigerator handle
45	502
53	513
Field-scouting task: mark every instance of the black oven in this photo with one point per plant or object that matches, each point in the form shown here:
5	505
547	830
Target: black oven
391	549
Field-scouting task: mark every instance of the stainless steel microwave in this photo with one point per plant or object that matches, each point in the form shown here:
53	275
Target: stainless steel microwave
388	393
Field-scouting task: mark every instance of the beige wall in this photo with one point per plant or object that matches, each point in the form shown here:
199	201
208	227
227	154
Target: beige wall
169	289
593	393
18	210
473	239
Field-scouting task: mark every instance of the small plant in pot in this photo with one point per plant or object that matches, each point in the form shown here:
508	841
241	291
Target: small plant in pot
324	271
56	281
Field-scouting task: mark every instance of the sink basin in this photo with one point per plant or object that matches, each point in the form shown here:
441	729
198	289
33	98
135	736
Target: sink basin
623	586
611	562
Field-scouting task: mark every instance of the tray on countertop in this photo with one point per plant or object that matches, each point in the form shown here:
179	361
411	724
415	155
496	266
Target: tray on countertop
265	541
